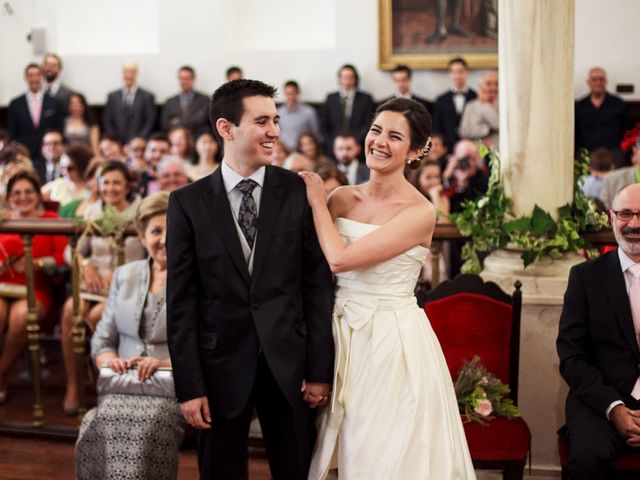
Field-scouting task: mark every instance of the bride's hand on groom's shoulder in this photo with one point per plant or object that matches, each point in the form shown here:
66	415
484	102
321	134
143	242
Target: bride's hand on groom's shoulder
316	394
316	194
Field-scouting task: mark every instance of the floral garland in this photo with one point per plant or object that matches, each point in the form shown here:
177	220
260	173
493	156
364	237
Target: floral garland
490	223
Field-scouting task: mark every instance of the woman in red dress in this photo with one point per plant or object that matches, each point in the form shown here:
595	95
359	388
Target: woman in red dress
25	201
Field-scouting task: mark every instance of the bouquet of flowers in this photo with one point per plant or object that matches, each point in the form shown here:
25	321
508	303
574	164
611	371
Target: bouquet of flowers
481	396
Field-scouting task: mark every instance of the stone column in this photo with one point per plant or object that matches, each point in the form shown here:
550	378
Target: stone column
536	50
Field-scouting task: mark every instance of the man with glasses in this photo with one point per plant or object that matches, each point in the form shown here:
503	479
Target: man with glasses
598	348
600	117
614	181
52	150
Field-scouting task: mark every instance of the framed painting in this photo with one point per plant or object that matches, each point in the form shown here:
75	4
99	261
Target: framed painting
428	33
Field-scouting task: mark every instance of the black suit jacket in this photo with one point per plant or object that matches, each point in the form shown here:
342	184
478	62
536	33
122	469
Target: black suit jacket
359	122
21	126
138	120
219	317
446	119
196	118
599	356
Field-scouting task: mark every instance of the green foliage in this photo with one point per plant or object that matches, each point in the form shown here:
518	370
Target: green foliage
481	396
111	224
482	220
489	222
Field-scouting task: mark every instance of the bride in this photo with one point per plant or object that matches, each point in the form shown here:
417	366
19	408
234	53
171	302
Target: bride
393	414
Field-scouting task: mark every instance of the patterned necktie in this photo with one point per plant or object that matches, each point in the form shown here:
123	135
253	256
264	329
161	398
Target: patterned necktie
248	213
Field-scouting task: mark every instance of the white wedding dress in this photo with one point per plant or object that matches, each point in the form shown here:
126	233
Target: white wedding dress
393	414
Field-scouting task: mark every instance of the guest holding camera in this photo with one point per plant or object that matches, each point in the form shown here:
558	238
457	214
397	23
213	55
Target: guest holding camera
465	176
137	426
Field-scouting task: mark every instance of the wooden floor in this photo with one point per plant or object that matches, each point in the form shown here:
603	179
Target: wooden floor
36	458
33	459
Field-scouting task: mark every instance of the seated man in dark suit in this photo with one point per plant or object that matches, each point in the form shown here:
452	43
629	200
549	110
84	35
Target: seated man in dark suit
347	109
448	108
33	113
130	111
189	108
598	348
402	78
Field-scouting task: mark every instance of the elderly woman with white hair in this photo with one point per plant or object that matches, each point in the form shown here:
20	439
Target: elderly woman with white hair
137	427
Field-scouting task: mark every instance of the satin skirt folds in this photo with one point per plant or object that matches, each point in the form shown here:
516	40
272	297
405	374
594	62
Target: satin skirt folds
394	413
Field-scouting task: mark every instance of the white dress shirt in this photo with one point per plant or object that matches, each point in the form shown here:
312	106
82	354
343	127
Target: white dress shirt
350	171
52	88
459	97
34	102
129	95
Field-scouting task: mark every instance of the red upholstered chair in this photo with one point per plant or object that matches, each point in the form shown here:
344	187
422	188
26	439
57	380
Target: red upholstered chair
471	317
625	467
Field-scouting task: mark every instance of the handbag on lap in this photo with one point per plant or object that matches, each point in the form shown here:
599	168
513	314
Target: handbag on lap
160	384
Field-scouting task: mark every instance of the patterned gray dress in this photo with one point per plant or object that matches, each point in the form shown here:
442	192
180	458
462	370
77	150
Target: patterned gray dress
131	436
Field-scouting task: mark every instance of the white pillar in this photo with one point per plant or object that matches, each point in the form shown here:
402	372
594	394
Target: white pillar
536	49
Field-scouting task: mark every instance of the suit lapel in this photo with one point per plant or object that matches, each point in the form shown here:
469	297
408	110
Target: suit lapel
616	289
26	111
222	219
272	194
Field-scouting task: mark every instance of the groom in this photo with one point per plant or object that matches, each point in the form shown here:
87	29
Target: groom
249	297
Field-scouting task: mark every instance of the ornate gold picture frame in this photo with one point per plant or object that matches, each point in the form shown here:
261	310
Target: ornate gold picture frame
428	33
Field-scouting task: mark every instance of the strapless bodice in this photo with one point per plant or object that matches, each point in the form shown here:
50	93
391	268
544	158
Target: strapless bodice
394	277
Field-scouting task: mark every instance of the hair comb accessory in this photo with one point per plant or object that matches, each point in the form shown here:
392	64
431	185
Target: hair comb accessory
427	147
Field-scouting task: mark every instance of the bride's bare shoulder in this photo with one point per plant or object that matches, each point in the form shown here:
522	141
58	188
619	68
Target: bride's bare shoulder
342	199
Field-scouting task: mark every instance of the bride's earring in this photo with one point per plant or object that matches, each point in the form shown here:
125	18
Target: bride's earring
413	162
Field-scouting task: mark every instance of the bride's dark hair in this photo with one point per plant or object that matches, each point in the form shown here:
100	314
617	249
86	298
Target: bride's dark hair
419	123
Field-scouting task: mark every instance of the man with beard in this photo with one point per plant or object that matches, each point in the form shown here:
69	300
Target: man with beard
51	67
598	348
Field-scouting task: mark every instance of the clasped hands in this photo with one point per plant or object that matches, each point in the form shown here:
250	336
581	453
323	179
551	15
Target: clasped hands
147	366
198	414
316	394
627	422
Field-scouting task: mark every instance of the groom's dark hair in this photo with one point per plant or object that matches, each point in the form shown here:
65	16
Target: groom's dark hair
227	101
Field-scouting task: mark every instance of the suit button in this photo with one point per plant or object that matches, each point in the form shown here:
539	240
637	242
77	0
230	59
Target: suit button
255	306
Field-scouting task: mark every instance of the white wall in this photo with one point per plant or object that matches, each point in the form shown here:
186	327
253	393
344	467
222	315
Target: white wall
211	35
608	35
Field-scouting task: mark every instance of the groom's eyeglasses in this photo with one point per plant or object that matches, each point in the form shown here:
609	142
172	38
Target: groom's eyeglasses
626	215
